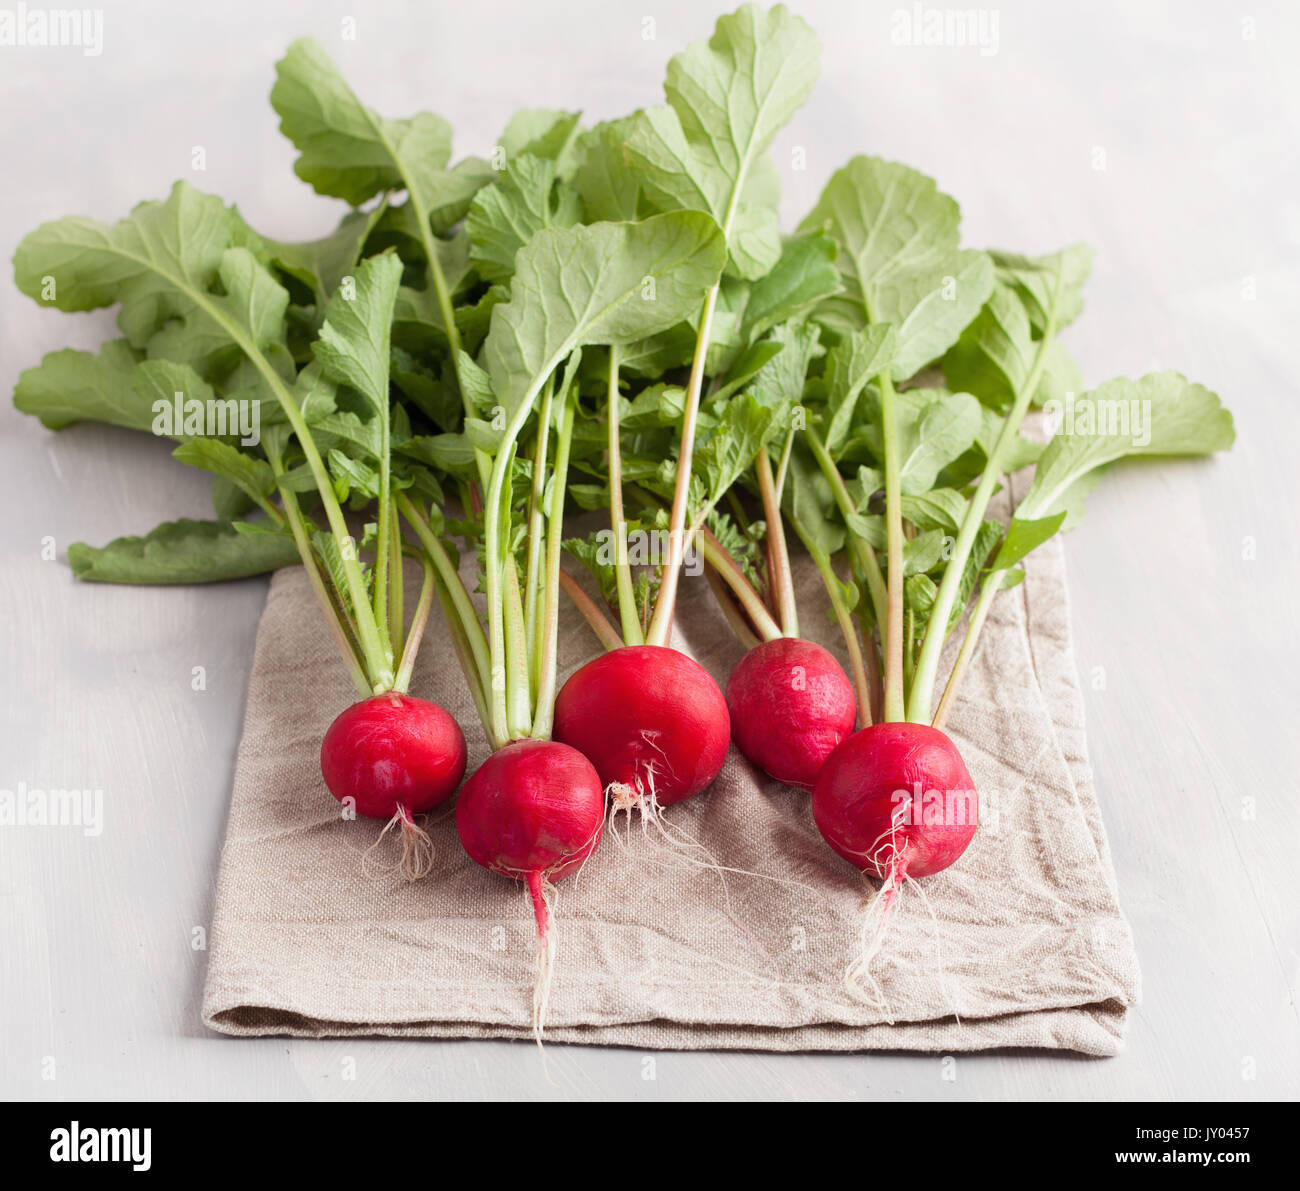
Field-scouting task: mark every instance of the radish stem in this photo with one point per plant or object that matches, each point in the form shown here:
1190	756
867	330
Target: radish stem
402	682
894	705
662	619
549	643
730	573
946	597
536	518
627	613
861	684
450	582
779	577
992	585
590	612
727	601
519	715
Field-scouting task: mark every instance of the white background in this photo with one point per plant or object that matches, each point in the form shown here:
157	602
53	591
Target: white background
1183	575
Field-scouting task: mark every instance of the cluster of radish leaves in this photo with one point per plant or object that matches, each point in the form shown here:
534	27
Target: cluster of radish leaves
432	347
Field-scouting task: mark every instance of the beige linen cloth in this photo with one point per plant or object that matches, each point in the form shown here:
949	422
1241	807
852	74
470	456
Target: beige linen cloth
1022	943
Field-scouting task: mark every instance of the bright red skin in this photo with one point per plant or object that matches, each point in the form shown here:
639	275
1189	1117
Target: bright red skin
853	800
393	752
791	703
535	806
643	712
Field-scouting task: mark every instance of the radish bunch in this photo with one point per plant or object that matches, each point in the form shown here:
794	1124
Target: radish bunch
611	318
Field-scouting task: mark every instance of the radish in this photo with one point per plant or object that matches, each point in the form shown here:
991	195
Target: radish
791	703
651	721
895	801
534	811
393	757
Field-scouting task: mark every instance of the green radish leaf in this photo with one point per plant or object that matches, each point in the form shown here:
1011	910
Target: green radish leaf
746	366
850	364
322	264
781	380
183	551
899	261
747	425
449	453
161	264
727	99
940	508
609	190
251	476
504	217
602	284
354	347
934	428
595	552
542	132
1034	280
995	354
76	386
924	552
1163	413
353	477
1024	536
349	151
803	276
228	500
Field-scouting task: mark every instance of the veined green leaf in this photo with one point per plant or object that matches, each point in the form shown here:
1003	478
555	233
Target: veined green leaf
161	264
1024	536
1163	413
354	345
504	217
1034	279
781	379
803	276
183	551
608	188
850	364
75	386
351	152
250	475
899	261
605	283
727	99
322	264
542	132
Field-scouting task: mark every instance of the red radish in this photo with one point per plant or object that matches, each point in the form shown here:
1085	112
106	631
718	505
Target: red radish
791	703
533	810
394	756
896	802
652	721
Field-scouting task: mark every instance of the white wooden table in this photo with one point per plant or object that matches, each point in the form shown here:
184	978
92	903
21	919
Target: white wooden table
1184	577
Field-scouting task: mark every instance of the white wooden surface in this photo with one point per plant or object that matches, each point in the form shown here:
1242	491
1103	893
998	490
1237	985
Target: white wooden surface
1184	576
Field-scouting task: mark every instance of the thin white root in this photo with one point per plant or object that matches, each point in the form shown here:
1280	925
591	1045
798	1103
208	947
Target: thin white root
858	979
417	856
544	899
